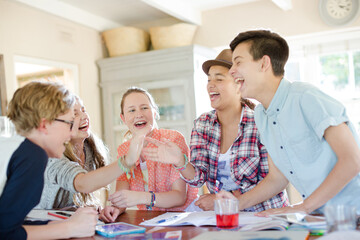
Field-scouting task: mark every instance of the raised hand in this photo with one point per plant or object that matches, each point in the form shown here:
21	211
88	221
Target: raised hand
166	152
136	145
110	213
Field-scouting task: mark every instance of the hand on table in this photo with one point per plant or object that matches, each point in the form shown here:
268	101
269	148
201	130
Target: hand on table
289	209
126	198
110	213
225	194
206	202
82	223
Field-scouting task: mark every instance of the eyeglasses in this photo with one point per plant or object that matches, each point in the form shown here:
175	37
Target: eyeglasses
71	123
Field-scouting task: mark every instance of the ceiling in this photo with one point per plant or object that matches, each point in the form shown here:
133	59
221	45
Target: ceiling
106	14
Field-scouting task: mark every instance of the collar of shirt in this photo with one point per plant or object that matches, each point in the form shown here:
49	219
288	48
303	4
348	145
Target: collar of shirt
244	118
279	98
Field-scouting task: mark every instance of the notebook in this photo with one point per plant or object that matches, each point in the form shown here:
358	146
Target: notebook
268	235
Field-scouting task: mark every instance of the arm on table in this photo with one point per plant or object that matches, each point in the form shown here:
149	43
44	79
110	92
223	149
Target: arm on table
81	224
272	184
123	197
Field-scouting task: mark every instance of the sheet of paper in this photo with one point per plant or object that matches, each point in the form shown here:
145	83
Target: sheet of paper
42	215
180	219
203	218
302	219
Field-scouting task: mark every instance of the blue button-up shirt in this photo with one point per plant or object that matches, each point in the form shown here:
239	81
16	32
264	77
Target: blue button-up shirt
292	129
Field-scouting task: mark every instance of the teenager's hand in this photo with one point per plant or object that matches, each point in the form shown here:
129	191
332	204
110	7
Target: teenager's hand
110	213
166	152
127	198
137	145
83	222
289	209
143	132
206	202
225	194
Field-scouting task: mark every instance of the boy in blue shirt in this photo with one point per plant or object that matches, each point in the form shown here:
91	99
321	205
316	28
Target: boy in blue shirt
44	117
308	135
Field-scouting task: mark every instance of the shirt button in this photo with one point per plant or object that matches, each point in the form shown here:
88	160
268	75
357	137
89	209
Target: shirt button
274	122
291	172
277	109
241	184
281	147
303	195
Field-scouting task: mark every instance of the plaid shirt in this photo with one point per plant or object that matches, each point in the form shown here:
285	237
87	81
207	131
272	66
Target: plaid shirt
248	157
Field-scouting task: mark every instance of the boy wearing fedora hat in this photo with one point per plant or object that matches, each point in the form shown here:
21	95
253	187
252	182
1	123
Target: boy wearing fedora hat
309	137
226	152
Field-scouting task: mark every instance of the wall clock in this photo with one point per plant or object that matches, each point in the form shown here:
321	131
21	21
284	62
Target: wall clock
339	12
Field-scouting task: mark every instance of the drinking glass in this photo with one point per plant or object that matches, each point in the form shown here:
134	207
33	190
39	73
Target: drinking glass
340	217
227	213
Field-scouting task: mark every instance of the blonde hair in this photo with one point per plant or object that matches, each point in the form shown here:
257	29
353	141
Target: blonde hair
146	93
101	158
37	100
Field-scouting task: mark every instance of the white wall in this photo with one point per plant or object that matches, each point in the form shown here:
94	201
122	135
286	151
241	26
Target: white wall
29	32
222	25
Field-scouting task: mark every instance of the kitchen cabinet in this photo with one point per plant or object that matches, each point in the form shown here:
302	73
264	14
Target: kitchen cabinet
173	76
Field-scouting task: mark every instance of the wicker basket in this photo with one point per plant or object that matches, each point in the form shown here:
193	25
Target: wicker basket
126	40
176	35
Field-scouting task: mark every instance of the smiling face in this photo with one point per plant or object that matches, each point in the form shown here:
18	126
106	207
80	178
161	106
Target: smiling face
84	124
138	114
222	89
59	134
246	71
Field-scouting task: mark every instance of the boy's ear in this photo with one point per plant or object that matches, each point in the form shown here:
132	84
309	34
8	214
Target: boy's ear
43	125
265	63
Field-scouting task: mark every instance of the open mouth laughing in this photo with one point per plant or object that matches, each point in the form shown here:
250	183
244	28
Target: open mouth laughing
213	95
140	124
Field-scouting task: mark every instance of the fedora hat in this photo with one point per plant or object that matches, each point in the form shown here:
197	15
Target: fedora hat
223	59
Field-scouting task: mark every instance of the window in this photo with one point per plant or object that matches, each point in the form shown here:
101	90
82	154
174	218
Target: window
331	64
29	69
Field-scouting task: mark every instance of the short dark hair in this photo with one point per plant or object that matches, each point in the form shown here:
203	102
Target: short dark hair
264	42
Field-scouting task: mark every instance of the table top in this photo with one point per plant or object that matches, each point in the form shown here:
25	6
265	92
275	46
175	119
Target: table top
135	217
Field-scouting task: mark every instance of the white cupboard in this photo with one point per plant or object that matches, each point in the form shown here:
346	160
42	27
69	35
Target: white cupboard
173	76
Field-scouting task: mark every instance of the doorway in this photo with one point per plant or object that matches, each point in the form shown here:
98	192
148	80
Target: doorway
28	69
